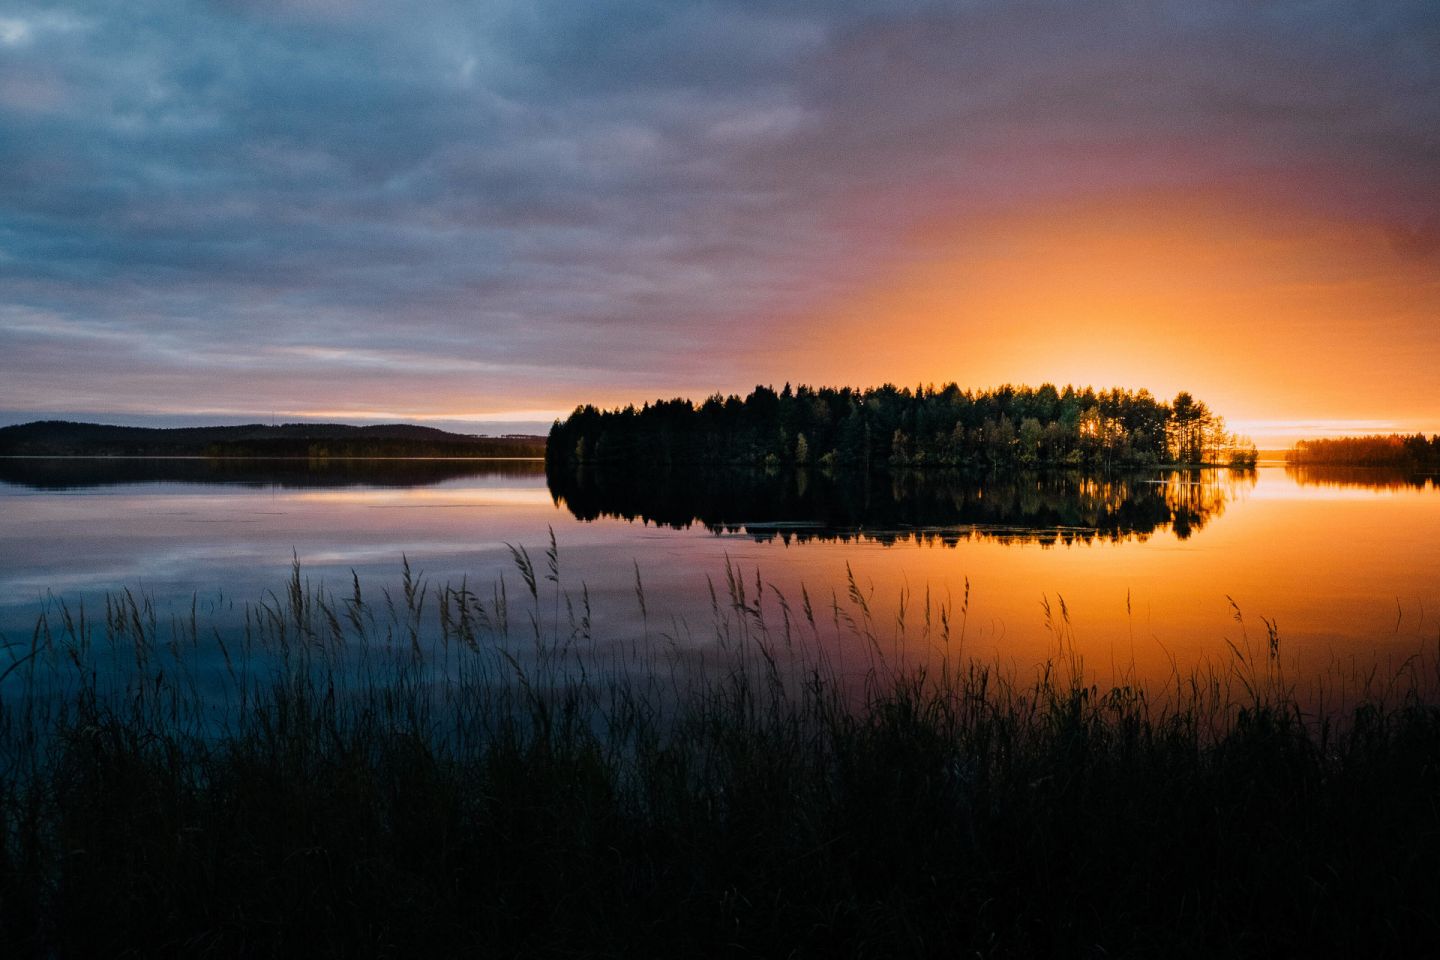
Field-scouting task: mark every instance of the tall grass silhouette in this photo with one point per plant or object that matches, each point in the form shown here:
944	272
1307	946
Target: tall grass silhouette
449	768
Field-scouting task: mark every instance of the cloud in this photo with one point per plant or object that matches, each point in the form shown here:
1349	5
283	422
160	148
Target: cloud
20	31
543	199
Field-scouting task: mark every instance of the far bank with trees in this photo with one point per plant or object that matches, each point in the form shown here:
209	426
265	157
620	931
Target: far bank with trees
892	426
1413	453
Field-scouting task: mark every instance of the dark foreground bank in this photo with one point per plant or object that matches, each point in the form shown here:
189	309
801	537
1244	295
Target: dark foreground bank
440	773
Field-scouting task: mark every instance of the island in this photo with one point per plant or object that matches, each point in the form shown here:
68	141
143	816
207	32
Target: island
946	426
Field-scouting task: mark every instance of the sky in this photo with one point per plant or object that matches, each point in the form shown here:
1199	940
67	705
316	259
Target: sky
480	214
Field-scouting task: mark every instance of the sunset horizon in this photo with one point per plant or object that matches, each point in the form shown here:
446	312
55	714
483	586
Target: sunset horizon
699	478
1269	435
206	219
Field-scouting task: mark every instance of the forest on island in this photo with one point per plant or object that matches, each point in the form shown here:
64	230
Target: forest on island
1009	426
1394	450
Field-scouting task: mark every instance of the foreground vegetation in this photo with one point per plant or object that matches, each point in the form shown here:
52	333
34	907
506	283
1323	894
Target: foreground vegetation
441	771
892	426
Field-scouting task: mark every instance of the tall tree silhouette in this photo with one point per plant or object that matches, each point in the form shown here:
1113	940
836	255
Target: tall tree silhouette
889	425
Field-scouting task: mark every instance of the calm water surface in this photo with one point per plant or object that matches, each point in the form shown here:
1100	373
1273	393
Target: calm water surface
1347	565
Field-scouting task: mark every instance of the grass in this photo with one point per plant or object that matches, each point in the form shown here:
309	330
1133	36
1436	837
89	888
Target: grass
441	771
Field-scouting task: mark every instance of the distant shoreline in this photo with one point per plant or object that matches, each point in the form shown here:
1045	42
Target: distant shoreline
141	456
291	441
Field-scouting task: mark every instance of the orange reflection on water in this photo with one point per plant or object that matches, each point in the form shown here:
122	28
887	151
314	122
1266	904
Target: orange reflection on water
1147	565
1349	576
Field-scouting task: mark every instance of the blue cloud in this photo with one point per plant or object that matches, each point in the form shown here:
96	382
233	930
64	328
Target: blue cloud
584	194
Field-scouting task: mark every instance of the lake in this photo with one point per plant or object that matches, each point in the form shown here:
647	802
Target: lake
1141	572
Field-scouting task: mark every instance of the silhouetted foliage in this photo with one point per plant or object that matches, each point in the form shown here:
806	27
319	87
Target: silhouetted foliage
894	426
1394	450
503	785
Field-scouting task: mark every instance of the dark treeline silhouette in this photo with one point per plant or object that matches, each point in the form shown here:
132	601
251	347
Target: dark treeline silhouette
937	506
1394	450
59	438
893	426
89	473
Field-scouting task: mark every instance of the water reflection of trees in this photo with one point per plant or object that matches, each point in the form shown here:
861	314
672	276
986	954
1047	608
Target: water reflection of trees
80	472
931	506
1370	478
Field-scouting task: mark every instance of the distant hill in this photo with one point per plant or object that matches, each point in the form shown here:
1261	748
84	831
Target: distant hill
61	438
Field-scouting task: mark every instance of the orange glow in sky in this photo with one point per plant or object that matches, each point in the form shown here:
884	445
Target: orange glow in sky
1287	324
490	214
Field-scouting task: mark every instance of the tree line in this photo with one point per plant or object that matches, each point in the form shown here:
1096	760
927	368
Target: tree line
1395	450
896	426
59	438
